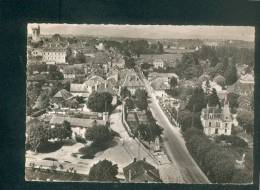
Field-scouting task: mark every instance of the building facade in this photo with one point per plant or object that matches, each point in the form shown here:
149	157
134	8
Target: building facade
158	63
217	121
54	55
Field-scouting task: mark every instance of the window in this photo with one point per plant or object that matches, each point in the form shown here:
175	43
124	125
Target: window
225	124
225	130
209	124
216	131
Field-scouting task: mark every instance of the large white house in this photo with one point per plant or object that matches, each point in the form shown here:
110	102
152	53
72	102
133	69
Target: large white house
54	55
216	120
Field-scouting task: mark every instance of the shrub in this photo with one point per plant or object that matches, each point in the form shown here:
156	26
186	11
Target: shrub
88	152
80	139
234	140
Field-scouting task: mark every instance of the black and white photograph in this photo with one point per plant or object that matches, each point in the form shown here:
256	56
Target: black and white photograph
140	103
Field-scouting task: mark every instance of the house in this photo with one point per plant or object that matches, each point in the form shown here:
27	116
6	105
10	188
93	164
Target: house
208	86
78	125
140	171
74	71
216	120
159	85
56	55
85	89
169	59
113	73
244	86
158	63
132	82
165	76
100	46
118	62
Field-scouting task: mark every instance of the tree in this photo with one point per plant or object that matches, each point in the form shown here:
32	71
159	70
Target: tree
141	99
232	100
54	73
67	129
197	100
185	119
173	83
213	99
42	101
130	103
125	92
100	101
103	171
129	62
231	74
246	119
56	37
242	176
220	80
37	134
99	134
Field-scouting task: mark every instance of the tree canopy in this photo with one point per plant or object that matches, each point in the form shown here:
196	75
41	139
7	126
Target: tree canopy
100	101
173	83
103	171
231	74
197	100
125	92
213	99
141	99
246	119
37	134
99	134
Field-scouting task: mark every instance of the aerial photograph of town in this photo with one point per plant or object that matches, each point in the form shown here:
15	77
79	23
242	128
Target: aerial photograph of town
140	103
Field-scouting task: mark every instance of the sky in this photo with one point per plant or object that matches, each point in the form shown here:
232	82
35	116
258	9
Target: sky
151	31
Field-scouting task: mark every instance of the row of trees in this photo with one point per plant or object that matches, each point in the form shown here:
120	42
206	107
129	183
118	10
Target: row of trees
147	132
217	162
139	99
135	47
188	67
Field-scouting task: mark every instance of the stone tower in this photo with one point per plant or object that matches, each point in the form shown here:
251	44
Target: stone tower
36	34
226	110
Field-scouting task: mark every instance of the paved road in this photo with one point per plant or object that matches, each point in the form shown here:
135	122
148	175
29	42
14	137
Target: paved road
175	145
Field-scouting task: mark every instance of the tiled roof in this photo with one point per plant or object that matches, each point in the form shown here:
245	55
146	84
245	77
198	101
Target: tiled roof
64	94
74	69
132	80
159	84
162	75
248	78
76	87
142	171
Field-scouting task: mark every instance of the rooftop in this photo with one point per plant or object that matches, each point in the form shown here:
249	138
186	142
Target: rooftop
63	93
79	122
141	171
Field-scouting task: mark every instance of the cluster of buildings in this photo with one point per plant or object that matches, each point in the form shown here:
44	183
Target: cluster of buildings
161	61
219	120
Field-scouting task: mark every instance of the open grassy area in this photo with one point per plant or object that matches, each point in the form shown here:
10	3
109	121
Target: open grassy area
43	175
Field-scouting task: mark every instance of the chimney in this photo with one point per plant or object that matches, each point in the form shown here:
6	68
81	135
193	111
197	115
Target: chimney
134	159
144	159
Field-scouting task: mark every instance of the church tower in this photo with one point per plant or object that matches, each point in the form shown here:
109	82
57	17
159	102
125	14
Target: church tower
36	34
226	110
